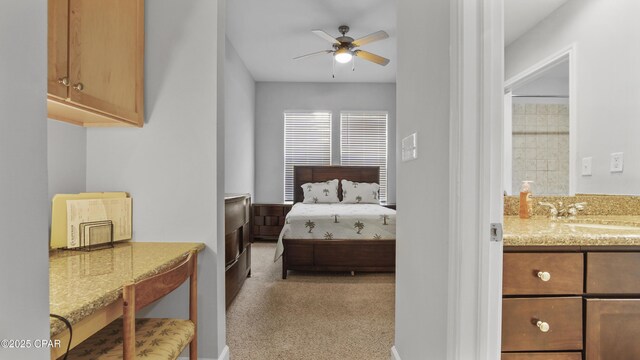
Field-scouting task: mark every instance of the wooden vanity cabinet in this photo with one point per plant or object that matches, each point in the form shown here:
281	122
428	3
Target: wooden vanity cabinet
237	212
590	297
96	62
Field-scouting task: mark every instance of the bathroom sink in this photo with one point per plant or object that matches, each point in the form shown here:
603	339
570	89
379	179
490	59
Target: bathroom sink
604	226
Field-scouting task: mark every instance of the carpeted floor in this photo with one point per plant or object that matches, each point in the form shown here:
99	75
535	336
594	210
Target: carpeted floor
310	316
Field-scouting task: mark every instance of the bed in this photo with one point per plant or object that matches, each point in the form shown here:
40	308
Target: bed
371	247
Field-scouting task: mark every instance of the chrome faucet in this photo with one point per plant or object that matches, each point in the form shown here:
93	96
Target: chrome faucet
561	211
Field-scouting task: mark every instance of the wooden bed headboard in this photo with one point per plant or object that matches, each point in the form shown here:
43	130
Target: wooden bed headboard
305	174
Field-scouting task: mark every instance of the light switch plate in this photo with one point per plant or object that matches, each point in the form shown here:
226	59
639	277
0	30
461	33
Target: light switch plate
617	162
586	166
410	147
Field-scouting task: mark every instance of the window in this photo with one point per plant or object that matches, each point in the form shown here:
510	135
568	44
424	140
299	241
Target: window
363	141
307	141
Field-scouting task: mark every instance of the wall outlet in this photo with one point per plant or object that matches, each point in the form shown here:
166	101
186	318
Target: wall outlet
617	162
410	147
586	166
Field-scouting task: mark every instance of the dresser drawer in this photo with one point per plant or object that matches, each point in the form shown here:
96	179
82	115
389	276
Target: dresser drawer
542	356
267	230
543	273
269	210
520	330
613	273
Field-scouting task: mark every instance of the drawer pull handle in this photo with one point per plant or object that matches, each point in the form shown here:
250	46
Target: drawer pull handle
64	81
544	276
543	326
78	87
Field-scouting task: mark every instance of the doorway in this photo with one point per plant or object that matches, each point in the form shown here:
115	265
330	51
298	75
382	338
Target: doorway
540	127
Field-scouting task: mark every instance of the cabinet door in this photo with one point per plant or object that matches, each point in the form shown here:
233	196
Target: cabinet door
58	27
106	47
612	329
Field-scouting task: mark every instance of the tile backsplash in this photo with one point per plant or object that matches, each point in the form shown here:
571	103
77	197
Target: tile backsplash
596	204
541	147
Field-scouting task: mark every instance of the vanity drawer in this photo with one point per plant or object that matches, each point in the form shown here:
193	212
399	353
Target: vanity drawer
613	273
520	330
542	356
565	270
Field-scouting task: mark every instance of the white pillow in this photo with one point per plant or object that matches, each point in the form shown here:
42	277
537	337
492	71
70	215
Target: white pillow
321	192
360	193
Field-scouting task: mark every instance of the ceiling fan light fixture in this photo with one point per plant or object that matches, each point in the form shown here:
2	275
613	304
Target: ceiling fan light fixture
343	55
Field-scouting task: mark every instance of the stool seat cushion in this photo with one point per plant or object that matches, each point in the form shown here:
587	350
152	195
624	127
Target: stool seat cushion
155	339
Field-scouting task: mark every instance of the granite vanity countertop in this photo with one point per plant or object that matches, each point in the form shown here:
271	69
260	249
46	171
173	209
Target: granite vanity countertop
82	282
542	231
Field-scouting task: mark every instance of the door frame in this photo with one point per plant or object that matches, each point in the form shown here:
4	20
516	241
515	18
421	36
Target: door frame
476	165
567	53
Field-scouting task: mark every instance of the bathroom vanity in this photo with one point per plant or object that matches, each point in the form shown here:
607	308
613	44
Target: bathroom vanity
571	288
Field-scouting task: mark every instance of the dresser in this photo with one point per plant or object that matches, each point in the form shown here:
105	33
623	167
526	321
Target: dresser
237	243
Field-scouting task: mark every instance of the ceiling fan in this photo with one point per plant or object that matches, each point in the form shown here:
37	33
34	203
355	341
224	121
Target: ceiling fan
344	47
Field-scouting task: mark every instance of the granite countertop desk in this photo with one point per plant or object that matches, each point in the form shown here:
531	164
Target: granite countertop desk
86	287
609	230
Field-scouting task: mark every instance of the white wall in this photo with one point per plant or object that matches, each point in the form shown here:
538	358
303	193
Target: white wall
273	98
608	85
239	146
66	158
171	166
24	258
423	184
545	87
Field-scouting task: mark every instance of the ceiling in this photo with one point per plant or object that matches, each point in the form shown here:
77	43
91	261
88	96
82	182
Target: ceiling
521	16
269	34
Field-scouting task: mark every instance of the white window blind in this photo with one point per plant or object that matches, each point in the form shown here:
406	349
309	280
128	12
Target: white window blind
363	141
307	141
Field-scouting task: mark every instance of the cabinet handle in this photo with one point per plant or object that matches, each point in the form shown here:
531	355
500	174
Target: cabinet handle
64	81
543	326
78	87
544	276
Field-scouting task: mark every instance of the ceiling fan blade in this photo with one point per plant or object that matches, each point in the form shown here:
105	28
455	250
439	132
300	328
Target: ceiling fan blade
371	57
326	36
378	35
313	54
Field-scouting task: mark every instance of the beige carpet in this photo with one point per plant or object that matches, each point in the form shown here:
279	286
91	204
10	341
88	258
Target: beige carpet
310	316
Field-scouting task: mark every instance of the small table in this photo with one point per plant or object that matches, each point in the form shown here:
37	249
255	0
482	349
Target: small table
268	219
86	287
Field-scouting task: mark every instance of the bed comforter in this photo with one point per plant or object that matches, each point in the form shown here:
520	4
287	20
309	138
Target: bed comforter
338	221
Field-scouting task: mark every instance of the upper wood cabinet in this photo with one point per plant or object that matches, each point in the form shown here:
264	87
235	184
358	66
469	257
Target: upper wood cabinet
96	62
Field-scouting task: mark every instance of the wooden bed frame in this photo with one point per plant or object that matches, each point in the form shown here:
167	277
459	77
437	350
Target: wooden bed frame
336	255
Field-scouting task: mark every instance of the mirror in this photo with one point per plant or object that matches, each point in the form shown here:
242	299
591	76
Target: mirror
540	128
572	96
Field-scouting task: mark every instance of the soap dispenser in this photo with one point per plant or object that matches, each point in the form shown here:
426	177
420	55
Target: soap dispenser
526	200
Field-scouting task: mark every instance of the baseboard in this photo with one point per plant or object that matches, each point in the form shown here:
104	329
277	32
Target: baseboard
224	355
394	353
